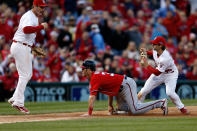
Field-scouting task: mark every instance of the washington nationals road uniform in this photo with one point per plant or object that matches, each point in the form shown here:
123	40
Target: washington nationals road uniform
113	85
169	76
21	51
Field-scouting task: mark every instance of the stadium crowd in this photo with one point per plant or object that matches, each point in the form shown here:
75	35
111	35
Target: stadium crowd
109	31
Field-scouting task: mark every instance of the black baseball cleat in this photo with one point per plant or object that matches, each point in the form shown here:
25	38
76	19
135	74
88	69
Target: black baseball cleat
164	107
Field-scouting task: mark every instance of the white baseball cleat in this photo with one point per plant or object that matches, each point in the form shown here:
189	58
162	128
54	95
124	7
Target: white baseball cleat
10	101
164	106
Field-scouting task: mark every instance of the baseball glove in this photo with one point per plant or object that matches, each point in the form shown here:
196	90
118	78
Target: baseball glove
39	52
143	54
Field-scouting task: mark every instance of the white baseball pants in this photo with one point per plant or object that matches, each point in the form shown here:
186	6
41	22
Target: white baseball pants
23	59
170	80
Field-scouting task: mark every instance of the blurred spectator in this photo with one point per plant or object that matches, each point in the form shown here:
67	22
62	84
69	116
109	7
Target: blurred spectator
60	19
165	9
36	75
80	76
70	6
183	5
6	50
169	22
193	19
9	80
108	53
181	75
4	63
183	26
6	30
171	47
131	17
132	51
192	73
118	40
55	63
65	38
115	68
134	34
70	75
46	76
38	65
100	56
85	16
53	39
72	26
146	9
129	5
107	64
84	45
2	42
159	29
97	38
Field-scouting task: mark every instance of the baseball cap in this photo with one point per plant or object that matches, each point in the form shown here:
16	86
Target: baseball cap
159	41
40	3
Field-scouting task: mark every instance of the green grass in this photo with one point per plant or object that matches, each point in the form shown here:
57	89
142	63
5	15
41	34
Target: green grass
67	106
96	124
108	124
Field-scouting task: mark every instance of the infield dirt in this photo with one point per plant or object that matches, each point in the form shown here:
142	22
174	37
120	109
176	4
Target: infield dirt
173	112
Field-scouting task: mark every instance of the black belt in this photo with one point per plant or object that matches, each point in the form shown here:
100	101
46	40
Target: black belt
121	87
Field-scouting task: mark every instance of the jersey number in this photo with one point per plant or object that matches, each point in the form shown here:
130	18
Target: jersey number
104	73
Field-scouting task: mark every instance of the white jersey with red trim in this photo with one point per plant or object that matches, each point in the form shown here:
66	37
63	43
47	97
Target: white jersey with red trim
28	19
169	76
164	62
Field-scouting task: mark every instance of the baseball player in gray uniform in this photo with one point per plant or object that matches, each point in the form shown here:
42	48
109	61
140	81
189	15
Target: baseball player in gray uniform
165	72
117	85
23	42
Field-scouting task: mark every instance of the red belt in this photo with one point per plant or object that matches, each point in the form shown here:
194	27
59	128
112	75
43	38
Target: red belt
22	43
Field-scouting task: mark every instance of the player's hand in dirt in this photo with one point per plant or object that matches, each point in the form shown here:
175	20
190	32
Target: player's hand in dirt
85	115
110	110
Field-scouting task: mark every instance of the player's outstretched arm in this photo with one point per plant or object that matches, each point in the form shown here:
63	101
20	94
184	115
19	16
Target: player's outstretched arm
92	99
110	105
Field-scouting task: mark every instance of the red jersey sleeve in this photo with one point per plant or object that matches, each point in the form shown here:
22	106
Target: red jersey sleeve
153	70
94	89
150	53
32	29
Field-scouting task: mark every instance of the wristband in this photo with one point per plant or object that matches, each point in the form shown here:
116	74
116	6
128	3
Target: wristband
90	111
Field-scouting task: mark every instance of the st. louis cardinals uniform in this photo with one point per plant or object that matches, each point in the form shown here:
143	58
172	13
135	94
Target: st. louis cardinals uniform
113	85
23	41
169	75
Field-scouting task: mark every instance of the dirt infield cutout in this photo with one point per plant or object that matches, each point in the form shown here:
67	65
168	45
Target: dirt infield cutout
173	112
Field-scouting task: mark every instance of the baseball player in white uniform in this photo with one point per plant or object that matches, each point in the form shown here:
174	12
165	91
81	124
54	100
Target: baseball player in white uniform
165	72
23	41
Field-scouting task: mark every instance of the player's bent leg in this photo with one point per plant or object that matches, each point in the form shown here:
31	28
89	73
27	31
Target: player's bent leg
130	95
142	108
152	82
170	91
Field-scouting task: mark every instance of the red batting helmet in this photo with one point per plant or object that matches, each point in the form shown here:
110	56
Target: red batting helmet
39	3
159	41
